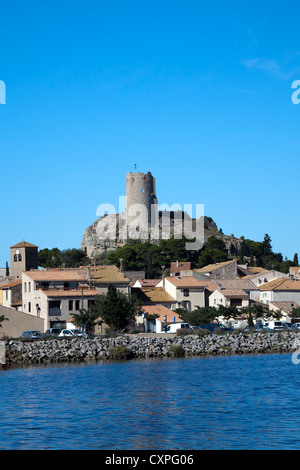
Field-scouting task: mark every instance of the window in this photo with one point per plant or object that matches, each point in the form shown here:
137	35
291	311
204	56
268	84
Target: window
70	305
15	258
29	286
6	294
186	292
25	287
77	304
29	307
19	257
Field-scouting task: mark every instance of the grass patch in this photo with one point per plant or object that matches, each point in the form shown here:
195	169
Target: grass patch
177	351
120	352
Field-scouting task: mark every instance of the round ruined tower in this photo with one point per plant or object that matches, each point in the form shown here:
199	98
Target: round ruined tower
140	191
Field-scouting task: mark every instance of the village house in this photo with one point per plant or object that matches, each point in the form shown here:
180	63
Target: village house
265	276
55	294
155	317
188	292
154	296
11	294
229	298
294	272
178	266
285	308
225	270
280	290
99	277
146	282
243	284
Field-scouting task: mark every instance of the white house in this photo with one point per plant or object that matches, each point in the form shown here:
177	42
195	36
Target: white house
164	315
55	294
188	292
280	290
226	297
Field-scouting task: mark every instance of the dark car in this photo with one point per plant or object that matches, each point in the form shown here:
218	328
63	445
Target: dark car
53	331
31	335
257	327
289	326
215	327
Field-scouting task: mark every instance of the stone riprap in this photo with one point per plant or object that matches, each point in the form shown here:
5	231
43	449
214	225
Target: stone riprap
128	346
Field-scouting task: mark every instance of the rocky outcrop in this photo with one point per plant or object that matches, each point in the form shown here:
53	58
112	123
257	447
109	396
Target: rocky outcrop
139	346
110	232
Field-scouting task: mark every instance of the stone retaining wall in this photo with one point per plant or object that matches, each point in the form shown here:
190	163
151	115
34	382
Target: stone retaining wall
79	349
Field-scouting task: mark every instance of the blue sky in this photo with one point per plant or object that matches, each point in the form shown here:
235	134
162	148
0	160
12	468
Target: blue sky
198	93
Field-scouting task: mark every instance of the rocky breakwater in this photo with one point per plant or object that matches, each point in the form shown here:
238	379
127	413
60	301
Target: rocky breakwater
59	350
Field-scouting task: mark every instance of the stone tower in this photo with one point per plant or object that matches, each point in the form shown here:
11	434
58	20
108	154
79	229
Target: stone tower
23	256
140	198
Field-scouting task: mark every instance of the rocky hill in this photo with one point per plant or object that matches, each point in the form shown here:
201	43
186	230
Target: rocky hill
110	232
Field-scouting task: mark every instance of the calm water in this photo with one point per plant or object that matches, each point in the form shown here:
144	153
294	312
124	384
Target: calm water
245	402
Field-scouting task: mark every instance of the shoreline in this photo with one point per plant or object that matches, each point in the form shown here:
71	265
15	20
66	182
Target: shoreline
144	346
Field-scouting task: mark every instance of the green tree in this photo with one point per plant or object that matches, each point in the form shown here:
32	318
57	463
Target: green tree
116	309
85	319
50	258
2	319
295	260
55	258
213	251
295	312
74	257
199	316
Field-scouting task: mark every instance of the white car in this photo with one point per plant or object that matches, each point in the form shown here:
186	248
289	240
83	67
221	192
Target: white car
71	333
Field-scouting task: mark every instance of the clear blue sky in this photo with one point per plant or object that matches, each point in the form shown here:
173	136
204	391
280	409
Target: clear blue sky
197	92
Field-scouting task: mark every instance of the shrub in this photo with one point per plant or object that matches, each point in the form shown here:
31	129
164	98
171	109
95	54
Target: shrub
120	352
177	351
183	332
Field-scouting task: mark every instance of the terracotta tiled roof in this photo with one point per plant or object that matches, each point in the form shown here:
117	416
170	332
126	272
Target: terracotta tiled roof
244	284
106	274
22	244
213	267
286	307
256	270
234	293
10	284
295	269
152	294
161	310
57	275
186	282
281	284
178	266
149	282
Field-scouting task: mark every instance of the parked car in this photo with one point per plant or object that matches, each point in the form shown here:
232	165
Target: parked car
53	331
297	325
289	326
31	334
176	326
71	333
215	327
257	327
195	328
274	325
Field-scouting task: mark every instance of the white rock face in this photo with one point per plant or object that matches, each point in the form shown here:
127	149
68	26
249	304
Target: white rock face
111	231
